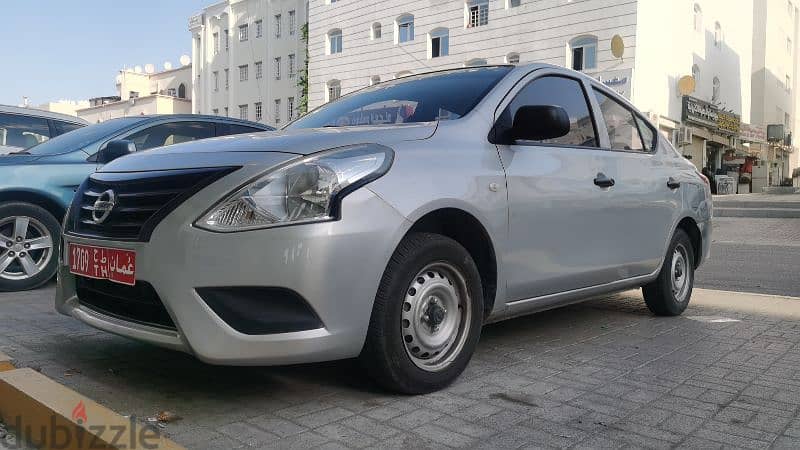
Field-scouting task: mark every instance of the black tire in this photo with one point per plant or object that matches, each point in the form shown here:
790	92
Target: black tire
385	355
13	277
659	295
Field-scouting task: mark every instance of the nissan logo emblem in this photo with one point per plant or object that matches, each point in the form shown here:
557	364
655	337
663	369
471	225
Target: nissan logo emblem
103	206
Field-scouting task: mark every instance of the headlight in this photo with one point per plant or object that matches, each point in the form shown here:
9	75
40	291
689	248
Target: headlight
308	190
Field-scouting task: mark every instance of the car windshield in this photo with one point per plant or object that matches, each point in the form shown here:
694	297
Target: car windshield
423	98
77	139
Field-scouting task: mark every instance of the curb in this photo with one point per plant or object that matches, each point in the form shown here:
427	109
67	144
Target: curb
5	362
49	416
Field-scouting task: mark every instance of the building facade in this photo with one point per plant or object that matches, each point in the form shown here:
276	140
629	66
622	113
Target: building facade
774	83
144	92
65	106
248	56
689	64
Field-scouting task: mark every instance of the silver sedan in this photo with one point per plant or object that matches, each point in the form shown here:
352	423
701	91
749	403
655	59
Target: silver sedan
389	225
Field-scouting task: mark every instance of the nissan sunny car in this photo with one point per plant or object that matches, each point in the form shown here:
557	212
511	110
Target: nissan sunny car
389	225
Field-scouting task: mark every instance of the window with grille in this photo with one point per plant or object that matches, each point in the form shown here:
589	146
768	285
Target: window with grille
277	25
227	79
227	37
334	90
292	23
216	43
258	111
291	66
216	80
278	68
290	108
243	112
478	13
259	69
277	111
259	28
242	33
243	73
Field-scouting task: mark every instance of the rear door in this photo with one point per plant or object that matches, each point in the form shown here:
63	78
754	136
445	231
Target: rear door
20	132
559	219
643	206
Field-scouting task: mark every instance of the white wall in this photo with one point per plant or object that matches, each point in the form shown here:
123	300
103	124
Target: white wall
539	31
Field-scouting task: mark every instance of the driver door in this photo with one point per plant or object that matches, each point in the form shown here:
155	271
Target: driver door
559	218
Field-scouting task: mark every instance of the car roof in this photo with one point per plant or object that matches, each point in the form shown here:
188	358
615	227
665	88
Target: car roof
206	117
33	112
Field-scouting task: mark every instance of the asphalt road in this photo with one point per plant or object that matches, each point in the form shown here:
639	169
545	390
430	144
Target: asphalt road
753	255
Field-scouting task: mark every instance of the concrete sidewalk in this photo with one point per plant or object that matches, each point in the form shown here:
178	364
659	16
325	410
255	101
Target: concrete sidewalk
605	373
757	205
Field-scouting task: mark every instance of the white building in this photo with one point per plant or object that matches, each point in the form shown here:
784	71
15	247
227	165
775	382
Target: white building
65	106
144	92
248	55
351	46
775	78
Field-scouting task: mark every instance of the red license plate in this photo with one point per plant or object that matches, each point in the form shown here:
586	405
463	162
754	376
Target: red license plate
103	263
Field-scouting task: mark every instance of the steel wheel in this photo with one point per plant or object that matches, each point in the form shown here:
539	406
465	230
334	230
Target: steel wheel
680	273
435	315
26	247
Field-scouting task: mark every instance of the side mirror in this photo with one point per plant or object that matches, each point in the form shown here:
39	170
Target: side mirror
539	122
115	149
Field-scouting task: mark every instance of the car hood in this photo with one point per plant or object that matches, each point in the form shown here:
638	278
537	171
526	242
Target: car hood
250	148
17	160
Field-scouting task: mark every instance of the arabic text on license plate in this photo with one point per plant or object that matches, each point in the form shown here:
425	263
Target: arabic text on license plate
103	263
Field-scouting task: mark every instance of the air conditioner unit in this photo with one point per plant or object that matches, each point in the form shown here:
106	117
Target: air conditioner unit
684	136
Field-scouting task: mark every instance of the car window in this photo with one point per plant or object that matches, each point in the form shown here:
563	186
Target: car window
623	131
171	133
225	129
22	131
648	135
565	92
446	95
65	127
83	137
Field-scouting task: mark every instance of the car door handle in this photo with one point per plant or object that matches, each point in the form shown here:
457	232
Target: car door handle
603	181
672	183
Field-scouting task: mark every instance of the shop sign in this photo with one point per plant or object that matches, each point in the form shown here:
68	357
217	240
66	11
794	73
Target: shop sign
753	133
618	80
700	112
195	21
703	113
728	122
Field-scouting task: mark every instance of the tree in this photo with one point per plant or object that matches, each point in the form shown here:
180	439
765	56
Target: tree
302	79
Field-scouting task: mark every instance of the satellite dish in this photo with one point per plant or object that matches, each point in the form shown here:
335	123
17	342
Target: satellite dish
185	60
137	69
167	65
149	68
617	46
686	85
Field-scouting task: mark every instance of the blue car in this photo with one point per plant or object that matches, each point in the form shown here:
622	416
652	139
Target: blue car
37	184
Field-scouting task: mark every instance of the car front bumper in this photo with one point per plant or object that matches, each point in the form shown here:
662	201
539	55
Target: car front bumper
334	266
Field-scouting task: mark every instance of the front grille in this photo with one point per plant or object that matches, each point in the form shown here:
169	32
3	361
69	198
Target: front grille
139	303
142	200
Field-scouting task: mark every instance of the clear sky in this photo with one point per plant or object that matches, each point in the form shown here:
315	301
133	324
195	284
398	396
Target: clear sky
73	49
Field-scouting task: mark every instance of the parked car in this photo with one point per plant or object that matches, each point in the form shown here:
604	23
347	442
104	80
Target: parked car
37	184
22	128
390	224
